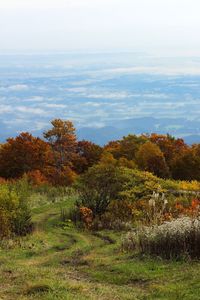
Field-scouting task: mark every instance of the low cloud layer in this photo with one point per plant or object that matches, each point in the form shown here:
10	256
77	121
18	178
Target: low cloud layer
94	96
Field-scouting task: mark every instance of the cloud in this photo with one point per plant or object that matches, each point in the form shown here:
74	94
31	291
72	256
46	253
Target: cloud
40	126
54	105
35	99
16	121
18	87
157	70
31	110
79	89
5	109
95	94
109	95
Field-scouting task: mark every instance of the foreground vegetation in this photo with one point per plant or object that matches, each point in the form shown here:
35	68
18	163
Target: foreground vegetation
59	261
80	221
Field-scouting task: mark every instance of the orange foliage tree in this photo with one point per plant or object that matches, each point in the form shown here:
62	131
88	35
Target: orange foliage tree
169	145
62	139
186	165
23	154
150	158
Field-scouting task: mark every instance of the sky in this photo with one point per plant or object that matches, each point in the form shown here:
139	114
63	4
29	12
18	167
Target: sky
160	26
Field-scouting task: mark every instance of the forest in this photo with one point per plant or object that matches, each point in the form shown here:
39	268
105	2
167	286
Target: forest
82	221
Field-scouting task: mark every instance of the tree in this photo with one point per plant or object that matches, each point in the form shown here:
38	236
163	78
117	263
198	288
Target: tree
114	147
150	158
168	145
88	155
186	164
63	141
101	184
127	147
23	154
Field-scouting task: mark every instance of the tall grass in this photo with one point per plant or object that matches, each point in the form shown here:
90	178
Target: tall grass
176	239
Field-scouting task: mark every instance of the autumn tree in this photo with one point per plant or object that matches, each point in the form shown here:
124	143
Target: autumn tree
169	145
186	165
88	154
127	147
150	158
62	139
114	147
23	154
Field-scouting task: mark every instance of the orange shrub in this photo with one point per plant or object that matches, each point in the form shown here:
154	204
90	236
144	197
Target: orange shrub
2	180
36	178
86	216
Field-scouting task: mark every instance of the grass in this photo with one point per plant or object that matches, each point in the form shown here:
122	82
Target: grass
66	263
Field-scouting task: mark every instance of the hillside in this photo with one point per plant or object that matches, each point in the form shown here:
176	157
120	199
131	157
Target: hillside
58	262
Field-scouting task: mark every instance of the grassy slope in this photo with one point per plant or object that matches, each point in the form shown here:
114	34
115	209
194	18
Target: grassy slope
56	263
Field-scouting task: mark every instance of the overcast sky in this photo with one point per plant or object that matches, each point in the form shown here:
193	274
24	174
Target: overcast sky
127	25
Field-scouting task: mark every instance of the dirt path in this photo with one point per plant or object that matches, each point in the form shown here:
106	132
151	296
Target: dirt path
65	263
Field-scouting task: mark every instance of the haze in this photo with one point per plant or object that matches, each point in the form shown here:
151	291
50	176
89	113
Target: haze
169	26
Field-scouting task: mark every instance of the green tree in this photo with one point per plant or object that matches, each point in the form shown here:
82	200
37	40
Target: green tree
101	184
127	147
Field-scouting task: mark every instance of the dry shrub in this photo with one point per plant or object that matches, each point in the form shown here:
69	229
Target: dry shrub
176	239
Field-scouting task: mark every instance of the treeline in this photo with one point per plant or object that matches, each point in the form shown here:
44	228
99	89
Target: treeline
59	157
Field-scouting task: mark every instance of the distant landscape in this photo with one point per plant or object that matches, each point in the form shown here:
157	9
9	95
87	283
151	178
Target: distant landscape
99	150
107	95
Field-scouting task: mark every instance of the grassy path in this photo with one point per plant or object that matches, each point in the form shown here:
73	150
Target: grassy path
65	263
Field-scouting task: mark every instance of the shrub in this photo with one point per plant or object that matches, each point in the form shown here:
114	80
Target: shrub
36	178
86	216
100	185
118	216
2	180
5	226
176	239
64	177
15	216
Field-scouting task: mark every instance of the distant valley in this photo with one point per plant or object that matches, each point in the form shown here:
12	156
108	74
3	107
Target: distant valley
106	95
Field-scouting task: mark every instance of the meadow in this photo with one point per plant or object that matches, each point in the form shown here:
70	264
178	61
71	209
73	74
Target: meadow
60	261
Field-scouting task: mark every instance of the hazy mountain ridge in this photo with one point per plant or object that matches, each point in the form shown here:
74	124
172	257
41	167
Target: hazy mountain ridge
149	125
